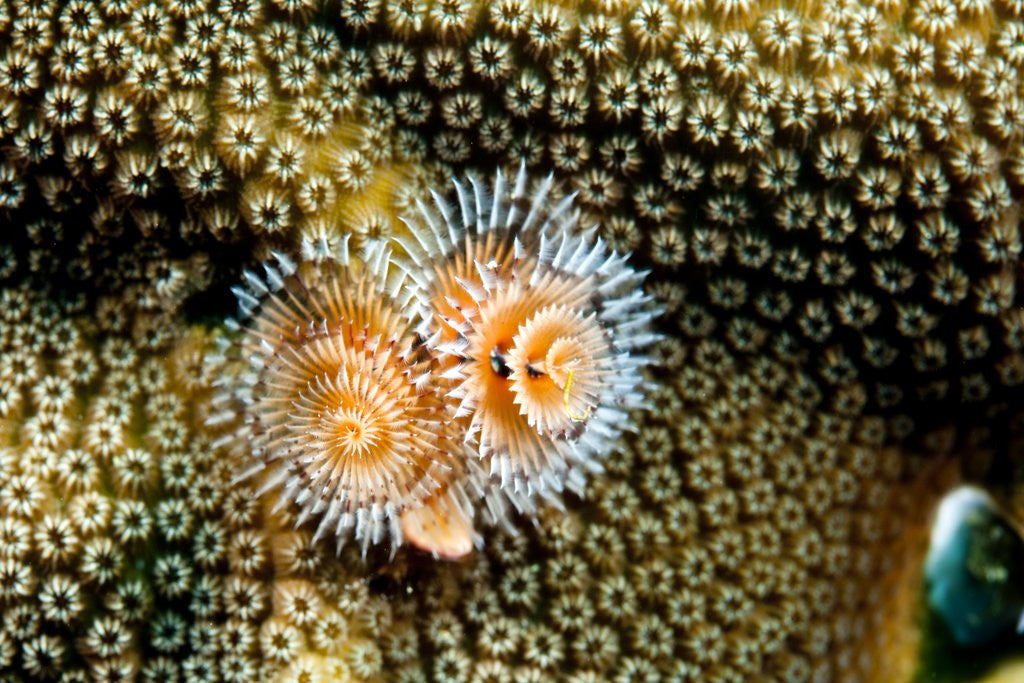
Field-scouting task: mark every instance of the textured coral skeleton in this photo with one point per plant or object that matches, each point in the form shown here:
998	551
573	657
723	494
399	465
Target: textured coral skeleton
827	196
126	552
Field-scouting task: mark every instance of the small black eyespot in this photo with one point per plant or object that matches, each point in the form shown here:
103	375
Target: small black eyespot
498	363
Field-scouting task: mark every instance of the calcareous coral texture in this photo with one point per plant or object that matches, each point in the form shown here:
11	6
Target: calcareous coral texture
827	196
125	551
739	540
839	177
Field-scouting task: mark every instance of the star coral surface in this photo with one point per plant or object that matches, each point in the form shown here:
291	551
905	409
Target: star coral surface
827	196
125	551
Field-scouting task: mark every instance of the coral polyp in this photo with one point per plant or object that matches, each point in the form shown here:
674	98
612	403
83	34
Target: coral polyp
828	195
340	416
538	325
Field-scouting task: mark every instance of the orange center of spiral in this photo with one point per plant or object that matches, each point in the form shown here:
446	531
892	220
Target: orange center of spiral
552	360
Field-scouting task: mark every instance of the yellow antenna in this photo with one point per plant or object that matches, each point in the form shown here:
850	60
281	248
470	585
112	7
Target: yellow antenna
565	401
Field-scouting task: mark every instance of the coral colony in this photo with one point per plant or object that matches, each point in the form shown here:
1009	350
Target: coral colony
496	360
826	196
